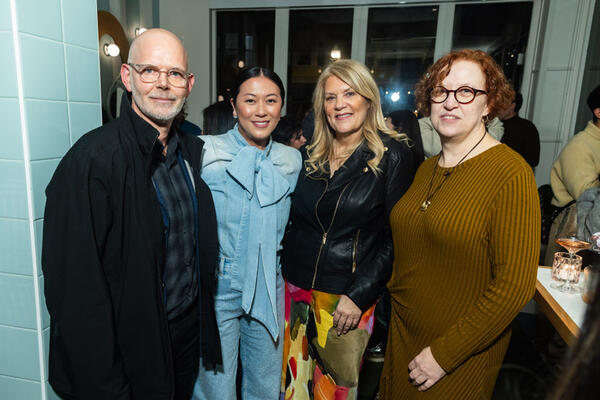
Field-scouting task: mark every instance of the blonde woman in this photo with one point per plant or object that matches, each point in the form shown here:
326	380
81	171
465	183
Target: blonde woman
338	252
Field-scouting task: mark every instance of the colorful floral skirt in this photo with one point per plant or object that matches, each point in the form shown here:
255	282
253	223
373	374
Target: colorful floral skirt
317	363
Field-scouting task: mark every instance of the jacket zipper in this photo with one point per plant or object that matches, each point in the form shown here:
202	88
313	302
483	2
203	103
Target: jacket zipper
325	232
354	250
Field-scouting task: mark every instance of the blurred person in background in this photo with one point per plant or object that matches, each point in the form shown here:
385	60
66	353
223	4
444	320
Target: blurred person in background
577	167
217	118
405	121
520	134
289	132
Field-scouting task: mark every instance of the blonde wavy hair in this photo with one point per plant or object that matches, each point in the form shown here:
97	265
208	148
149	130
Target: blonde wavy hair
357	76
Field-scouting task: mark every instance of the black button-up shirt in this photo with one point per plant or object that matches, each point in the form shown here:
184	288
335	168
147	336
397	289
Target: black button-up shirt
174	190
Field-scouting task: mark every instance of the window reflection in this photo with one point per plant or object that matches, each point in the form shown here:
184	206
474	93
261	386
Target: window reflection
502	30
400	46
244	38
315	38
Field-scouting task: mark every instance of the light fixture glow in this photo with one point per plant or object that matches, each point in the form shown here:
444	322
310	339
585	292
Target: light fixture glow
139	31
111	50
395	96
336	54
241	64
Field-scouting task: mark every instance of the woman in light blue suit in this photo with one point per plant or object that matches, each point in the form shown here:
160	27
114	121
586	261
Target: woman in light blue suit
251	178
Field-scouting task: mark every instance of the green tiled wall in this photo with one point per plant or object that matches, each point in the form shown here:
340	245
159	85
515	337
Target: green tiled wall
57	58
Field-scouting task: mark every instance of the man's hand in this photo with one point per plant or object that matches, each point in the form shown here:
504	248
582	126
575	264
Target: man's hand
346	315
424	370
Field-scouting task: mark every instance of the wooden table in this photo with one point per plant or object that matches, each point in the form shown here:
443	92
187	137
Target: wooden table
564	311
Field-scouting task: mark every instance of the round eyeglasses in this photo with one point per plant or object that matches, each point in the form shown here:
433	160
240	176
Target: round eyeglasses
464	94
150	74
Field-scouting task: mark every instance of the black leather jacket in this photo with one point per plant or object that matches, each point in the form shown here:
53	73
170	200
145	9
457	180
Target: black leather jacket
338	239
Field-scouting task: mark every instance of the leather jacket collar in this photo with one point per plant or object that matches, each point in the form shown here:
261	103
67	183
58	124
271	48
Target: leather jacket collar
355	165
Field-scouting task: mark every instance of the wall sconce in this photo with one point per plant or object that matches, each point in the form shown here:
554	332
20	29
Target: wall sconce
111	50
241	64
139	31
336	53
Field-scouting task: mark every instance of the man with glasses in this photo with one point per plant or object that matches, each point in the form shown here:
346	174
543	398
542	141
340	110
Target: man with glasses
130	244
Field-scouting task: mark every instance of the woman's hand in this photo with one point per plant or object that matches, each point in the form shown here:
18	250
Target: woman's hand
424	370
346	315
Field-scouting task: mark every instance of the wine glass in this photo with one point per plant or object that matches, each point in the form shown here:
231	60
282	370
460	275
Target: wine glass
572	244
567	269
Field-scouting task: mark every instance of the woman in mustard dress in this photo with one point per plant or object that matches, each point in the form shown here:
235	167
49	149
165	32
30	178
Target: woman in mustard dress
466	242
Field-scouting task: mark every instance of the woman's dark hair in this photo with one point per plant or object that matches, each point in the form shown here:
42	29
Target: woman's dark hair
593	101
579	380
253	72
217	118
286	130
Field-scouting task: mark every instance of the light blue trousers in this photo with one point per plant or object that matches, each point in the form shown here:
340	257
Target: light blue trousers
261	358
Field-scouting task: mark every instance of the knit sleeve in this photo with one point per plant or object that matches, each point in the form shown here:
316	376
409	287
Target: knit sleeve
513	249
578	168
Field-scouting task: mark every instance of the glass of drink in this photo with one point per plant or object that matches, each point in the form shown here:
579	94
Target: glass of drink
572	244
565	272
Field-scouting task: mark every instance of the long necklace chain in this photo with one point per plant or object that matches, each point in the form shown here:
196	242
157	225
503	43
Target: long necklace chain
447	174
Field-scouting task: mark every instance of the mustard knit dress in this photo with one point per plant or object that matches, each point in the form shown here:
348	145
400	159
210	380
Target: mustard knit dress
463	269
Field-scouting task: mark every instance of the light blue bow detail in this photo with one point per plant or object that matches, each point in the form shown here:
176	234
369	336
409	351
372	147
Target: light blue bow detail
258	176
251	169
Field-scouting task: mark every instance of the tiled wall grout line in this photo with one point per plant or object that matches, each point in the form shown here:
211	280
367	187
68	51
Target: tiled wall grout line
20	328
33	35
19	379
29	185
13	274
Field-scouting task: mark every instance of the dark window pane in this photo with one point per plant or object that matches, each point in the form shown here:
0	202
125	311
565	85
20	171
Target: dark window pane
400	46
313	35
244	38
500	29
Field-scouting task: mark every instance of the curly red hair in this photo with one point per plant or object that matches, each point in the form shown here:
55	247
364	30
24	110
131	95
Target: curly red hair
500	93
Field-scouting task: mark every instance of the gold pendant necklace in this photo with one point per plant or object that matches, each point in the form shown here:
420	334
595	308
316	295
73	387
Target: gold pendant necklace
447	174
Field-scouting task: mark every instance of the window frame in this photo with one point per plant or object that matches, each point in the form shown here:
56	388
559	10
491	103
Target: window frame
443	41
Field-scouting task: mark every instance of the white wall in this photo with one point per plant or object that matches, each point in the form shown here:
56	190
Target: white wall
557	81
190	20
591	77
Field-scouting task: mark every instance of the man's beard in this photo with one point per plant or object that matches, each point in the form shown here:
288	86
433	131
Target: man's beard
159	118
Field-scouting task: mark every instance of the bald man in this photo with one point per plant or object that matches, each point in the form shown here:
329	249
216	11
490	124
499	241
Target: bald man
130	244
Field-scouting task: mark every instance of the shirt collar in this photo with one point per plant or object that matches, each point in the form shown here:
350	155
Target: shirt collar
241	142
